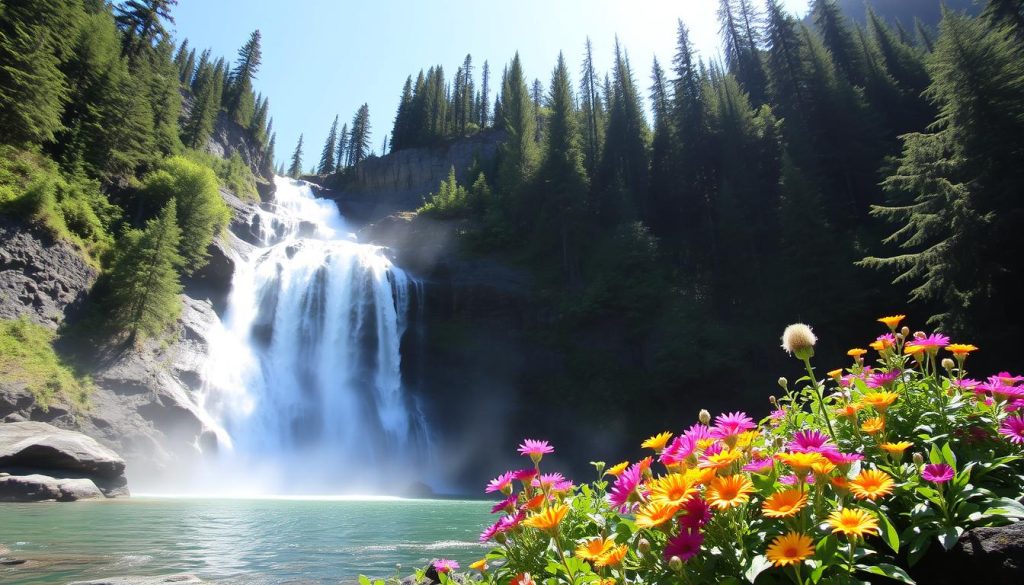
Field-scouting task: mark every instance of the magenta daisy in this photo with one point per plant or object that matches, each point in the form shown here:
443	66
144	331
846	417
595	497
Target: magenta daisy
966	384
732	424
883	379
759	466
625	485
502	483
791	479
777	414
445	565
508	504
685	546
1013	429
697	433
937	472
697	513
838	458
511	521
547	480
525	475
535	449
490	532
931	343
810	442
563	486
677	451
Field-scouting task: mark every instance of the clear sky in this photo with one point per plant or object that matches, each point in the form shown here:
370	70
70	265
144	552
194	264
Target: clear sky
327	57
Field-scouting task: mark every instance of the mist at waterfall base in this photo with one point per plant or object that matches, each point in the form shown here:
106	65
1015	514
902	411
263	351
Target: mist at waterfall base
305	378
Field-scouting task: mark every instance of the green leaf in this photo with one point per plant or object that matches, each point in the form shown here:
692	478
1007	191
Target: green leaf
758	565
826	549
950	536
947	456
918	546
1007	507
934	455
364	580
889	534
890	571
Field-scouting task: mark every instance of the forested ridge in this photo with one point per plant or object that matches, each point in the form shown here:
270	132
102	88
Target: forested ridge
104	124
825	171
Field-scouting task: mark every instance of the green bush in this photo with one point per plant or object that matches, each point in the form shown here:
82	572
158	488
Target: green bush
27	357
453	200
72	208
233	174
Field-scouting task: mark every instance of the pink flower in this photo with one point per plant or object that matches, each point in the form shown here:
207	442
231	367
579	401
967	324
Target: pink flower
525	475
937	472
511	521
625	485
547	480
838	458
883	379
777	414
759	465
500	483
1013	429
713	449
697	513
966	384
810	442
791	479
697	433
534	448
489	533
685	546
931	343
677	450
445	565
506	504
563	486
732	424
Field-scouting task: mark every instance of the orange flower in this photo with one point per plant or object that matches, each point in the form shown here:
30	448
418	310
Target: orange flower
657	442
896	450
873	425
880	401
655	513
673	489
836	373
593	549
823	467
522	579
881	344
892	322
699	476
548	519
616	470
534	502
850	410
800	462
856	352
480	565
613	557
871	485
784	504
721	459
841	483
960	349
790	549
915	350
853	522
729	491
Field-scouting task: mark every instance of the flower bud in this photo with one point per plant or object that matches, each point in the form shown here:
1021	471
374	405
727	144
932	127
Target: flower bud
918	459
798	340
643	546
920	335
676	564
773	400
783	383
905	331
704	416
947	364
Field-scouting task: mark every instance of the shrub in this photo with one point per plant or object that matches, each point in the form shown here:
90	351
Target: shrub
27	357
453	200
852	475
233	173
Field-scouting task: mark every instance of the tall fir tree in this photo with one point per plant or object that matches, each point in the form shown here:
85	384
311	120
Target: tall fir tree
592	111
624	173
327	163
359	138
295	168
141	21
341	154
241	104
485	96
518	154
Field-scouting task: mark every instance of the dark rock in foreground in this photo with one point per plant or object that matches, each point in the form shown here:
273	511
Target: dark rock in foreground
41	462
994	556
180	579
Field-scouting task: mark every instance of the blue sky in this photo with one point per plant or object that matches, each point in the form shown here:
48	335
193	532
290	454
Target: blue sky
327	57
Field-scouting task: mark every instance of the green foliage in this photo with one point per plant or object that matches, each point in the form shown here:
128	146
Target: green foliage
201	213
27	358
453	200
142	286
233	174
296	166
71	207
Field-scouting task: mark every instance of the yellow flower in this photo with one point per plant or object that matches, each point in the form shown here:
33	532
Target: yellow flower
703	444
914	350
729	491
548	518
784	504
790	549
800	462
673	489
613	557
721	459
655	513
593	549
871	484
746	439
879	400
881	344
896	449
856	352
850	410
616	470
853	522
823	467
836	373
699	476
480	565
873	425
960	349
892	322
657	442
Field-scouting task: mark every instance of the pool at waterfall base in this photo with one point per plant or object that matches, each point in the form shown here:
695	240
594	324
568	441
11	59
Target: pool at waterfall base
237	541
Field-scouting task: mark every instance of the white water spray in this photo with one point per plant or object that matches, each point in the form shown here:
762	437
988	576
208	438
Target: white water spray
305	375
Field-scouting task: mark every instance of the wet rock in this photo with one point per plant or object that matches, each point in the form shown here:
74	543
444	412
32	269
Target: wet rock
38	488
996	553
179	579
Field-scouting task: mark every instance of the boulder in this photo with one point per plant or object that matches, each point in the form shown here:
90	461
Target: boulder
178	579
38	488
996	553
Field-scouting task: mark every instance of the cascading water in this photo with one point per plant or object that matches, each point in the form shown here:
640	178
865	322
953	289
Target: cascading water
305	374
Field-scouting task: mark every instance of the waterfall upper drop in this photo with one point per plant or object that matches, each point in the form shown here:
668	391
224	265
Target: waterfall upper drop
305	376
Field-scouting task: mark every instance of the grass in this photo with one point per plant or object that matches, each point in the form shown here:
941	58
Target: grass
27	357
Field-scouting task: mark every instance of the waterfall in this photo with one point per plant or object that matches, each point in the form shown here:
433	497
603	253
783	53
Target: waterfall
305	374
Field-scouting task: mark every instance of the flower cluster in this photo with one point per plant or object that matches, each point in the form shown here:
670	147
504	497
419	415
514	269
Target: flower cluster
822	487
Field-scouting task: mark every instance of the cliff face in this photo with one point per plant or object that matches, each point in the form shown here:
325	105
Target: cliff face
381	186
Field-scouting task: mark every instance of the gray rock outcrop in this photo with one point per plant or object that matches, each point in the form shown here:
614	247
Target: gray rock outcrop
44	462
996	554
40	277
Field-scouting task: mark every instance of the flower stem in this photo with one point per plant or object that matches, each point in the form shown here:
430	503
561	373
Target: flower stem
819	391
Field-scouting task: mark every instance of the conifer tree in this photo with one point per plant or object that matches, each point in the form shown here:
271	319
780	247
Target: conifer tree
144	298
400	133
267	166
518	154
904	63
341	155
485	96
327	162
295	169
537	95
359	139
592	110
258	124
205	105
1006	13
624	174
839	39
241	104
141	22
663	179
739	33
180	58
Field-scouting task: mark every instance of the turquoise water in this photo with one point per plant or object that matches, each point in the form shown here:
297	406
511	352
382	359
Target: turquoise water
259	541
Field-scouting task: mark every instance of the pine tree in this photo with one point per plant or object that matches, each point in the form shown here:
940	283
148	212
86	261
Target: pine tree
144	290
839	39
258	124
267	168
663	178
485	96
904	63
180	58
624	174
401	131
592	110
537	95
327	162
1006	13
341	155
296	167
359	139
739	31
241	102
518	154
141	22
205	105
